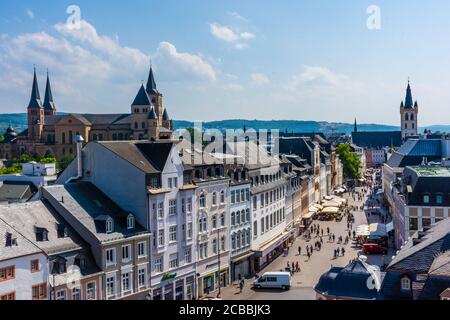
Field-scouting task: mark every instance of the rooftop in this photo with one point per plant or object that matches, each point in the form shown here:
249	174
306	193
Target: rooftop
432	171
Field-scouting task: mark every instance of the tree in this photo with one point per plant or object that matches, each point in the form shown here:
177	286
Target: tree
2	138
64	162
350	161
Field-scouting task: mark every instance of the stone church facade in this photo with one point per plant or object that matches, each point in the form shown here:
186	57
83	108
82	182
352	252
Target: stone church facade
49	133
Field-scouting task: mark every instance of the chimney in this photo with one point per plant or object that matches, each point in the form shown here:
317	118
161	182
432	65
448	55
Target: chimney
79	140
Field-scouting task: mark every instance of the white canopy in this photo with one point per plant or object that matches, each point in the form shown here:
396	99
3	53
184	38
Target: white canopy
363	230
309	215
332	210
313	209
331	203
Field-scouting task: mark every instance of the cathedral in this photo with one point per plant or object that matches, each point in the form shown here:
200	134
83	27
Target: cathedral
52	134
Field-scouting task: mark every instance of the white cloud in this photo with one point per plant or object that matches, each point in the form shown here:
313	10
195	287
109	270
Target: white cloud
247	35
90	72
314	75
227	34
260	78
30	13
178	65
233	87
223	33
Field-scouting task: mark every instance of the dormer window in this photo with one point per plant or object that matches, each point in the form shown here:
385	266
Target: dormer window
405	283
10	240
130	221
41	234
63	231
109	225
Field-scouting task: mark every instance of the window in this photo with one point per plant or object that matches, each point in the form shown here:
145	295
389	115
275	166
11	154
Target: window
76	293
110	257
426	199
214	221
406	283
262	225
158	265
262	200
160	237
161	210
222	197
222	243
255	228
61	295
426	222
142	277
173	262
126	253
439	199
202	201
7	273
214	245
233	197
127	284
39	292
247	194
222	219
111	286
142	252
413	224
242	195
130	221
238	196
175	182
189	231
187	255
255	203
169	182
34	265
233	219
90	291
8	296
183	205
214	199
172	207
173	233
247	213
109	225
233	241
189	204
238	217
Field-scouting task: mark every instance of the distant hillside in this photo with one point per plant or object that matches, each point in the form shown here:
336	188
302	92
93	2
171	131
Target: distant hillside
19	122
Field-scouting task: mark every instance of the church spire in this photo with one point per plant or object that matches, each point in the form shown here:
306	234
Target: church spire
408	100
355	129
151	83
35	100
48	99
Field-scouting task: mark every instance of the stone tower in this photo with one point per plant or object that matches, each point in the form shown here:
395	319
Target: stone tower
408	114
35	112
49	105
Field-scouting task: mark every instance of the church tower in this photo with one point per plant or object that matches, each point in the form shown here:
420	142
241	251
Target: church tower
154	95
408	114
49	105
35	112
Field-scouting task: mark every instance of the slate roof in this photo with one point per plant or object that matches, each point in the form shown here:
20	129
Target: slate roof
348	282
300	146
35	99
151	83
141	98
148	157
377	139
24	246
25	217
16	191
87	204
413	151
165	115
48	99
408	99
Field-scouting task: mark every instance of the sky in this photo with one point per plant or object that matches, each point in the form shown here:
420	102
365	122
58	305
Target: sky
247	59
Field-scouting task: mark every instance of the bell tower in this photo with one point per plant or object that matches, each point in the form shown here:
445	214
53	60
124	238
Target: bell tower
408	115
35	112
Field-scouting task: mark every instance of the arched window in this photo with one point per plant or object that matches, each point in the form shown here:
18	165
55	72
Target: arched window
222	196
405	283
412	116
63	138
136	125
233	219
70	137
222	219
130	221
406	126
214	221
238	217
255	228
406	117
233	241
202	201
143	125
214	198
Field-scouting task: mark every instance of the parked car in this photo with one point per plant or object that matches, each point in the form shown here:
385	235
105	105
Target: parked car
280	280
373	248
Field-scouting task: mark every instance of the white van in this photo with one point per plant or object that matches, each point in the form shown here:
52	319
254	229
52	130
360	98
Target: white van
280	280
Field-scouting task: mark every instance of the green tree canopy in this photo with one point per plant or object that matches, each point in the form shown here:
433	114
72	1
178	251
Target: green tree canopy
350	161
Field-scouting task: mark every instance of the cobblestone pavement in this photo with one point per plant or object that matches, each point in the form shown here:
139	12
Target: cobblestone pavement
311	269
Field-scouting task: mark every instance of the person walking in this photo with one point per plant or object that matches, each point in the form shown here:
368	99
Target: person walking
297	268
299	250
241	285
343	251
328	230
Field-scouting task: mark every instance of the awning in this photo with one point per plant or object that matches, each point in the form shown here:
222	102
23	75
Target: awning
313	209
330	210
377	230
241	257
331	203
270	245
362	230
309	215
318	206
390	226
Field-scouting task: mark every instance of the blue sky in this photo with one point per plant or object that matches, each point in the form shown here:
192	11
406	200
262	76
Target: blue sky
306	60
